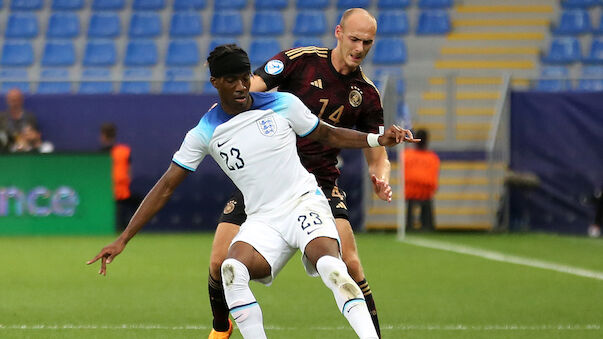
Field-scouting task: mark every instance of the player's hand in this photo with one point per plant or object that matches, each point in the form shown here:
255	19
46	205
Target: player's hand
107	254
382	189
395	135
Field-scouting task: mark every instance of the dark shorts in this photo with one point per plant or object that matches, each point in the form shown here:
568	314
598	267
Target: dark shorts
234	210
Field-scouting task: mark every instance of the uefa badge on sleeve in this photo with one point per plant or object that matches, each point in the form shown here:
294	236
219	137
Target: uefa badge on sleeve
274	67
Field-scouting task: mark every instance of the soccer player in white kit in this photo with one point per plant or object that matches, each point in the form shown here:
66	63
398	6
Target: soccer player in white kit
252	137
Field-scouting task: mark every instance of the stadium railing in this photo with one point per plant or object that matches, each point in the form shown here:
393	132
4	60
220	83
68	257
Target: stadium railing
443	116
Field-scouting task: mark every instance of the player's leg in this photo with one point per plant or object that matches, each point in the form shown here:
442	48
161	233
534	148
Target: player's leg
232	217
352	261
323	253
349	250
243	264
313	231
225	232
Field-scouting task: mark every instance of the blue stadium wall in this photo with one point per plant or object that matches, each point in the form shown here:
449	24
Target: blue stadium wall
154	126
559	137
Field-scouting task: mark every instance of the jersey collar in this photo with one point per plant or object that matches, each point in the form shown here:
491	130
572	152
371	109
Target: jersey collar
353	74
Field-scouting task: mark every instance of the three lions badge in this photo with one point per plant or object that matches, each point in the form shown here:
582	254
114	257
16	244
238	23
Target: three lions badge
267	126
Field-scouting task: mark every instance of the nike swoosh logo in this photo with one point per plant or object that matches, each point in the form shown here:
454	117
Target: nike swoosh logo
222	144
312	230
349	309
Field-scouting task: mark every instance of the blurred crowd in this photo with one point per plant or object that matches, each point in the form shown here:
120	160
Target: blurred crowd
19	133
19	130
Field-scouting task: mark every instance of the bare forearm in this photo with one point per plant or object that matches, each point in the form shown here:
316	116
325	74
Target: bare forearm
341	137
154	201
381	170
378	162
151	204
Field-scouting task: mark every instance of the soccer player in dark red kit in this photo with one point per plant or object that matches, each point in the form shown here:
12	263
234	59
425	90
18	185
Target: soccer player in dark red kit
332	85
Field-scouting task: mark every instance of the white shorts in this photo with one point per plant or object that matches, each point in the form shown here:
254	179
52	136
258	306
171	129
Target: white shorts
278	236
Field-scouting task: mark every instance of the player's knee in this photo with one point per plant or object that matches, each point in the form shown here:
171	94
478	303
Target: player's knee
234	274
335	275
215	267
242	304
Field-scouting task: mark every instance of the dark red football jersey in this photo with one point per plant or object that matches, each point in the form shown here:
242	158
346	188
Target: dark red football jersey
350	101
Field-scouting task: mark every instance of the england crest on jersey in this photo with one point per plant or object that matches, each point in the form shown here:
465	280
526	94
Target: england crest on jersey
267	126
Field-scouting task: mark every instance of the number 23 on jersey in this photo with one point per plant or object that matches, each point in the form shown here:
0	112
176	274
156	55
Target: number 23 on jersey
233	159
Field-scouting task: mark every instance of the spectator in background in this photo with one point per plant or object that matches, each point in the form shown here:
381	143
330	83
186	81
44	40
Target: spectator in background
15	117
30	140
421	171
120	173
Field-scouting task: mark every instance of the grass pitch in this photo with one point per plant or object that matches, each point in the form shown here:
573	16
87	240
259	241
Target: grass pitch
157	288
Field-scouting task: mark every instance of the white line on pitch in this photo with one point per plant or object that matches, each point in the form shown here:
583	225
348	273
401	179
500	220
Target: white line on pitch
497	256
451	327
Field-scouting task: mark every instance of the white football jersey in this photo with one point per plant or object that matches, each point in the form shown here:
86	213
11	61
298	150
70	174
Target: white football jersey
256	149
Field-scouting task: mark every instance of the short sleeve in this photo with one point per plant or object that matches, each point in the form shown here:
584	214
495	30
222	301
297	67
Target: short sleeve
301	119
275	70
191	152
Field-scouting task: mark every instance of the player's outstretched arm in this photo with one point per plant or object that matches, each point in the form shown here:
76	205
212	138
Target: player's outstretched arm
152	203
339	137
395	135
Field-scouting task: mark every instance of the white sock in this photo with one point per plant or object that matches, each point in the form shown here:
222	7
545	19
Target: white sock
347	294
242	304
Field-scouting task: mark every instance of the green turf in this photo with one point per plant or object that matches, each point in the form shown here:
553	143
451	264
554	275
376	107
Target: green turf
160	281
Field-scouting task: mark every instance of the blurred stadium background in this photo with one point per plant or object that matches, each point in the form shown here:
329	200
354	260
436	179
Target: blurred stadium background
506	89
